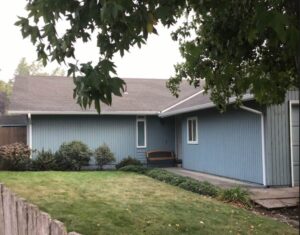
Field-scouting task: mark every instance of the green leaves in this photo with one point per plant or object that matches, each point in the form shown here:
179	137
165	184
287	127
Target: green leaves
240	47
236	46
96	84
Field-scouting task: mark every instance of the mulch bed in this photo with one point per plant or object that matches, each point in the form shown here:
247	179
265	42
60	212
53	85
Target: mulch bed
288	215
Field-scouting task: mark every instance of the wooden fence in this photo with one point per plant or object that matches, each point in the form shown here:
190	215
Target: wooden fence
10	135
17	217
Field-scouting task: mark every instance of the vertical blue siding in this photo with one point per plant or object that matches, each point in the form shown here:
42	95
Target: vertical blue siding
229	145
277	138
160	136
118	132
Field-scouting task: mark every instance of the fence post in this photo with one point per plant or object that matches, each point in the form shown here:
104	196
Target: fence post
6	211
22	214
57	228
17	217
13	209
43	223
32	219
1	211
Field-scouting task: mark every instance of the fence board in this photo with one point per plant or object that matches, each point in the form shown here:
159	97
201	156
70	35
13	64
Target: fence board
1	211
10	135
17	217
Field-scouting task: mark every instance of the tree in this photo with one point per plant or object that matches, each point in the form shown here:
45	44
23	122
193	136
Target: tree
35	68
5	92
236	46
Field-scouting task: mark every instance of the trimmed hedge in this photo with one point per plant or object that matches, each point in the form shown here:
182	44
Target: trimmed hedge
189	184
104	156
128	161
73	155
134	168
45	161
203	188
234	195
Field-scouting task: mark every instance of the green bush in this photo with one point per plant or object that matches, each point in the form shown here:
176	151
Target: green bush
134	168
203	188
72	156
104	156
15	157
128	161
236	195
44	161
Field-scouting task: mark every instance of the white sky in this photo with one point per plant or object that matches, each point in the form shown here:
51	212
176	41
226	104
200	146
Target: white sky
154	60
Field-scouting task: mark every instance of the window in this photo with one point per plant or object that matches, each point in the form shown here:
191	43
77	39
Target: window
192	130
141	132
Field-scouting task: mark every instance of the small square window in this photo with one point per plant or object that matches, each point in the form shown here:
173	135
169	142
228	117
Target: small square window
192	130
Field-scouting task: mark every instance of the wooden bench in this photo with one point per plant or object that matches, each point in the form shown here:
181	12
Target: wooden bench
160	158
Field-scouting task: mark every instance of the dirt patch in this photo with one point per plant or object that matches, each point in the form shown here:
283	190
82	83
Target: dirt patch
287	215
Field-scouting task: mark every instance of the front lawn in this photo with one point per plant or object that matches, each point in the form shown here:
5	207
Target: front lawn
126	203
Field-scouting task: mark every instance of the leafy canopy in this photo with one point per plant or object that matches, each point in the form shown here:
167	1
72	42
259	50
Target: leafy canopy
236	46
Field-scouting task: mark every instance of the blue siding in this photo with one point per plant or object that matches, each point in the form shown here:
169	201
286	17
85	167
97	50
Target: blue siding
277	129
229	145
118	132
160	136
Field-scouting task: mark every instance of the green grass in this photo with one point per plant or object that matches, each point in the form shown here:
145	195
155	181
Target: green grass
127	203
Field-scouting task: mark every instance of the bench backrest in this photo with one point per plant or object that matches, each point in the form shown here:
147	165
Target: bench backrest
159	154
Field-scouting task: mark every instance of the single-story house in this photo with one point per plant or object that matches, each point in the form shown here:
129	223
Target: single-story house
252	143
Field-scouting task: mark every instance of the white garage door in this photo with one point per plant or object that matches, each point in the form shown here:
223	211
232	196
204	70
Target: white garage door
295	142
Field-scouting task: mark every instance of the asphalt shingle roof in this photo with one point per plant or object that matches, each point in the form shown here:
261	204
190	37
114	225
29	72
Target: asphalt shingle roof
51	94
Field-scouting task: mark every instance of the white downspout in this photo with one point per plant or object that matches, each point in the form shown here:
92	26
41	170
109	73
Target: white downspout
29	132
262	139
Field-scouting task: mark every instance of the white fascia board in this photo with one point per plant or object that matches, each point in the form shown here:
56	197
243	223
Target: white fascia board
182	101
83	113
202	106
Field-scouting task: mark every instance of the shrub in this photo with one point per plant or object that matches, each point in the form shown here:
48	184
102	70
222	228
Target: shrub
134	168
72	156
15	156
236	195
186	183
128	161
104	156
44	161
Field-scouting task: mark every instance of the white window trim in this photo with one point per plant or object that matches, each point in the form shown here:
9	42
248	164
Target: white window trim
141	119
187	130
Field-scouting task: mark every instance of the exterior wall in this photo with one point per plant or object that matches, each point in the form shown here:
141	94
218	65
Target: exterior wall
277	139
118	132
229	144
160	136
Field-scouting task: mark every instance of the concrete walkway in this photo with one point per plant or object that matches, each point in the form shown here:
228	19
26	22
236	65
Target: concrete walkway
215	180
269	198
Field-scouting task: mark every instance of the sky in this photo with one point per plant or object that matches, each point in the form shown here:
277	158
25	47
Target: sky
154	60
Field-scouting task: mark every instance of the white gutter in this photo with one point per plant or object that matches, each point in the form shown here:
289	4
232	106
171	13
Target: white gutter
262	139
83	113
29	132
182	101
202	106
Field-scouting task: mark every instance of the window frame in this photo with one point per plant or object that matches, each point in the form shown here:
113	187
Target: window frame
188	131
141	119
